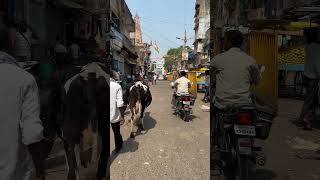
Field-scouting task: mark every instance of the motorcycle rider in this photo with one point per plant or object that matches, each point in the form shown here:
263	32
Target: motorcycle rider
233	74
182	86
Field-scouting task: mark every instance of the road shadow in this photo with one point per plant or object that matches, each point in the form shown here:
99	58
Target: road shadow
149	122
129	145
191	118
263	174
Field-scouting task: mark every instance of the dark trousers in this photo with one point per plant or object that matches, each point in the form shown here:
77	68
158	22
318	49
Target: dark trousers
207	94
216	126
117	134
311	100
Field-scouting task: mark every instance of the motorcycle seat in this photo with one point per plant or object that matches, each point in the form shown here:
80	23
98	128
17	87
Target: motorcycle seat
184	94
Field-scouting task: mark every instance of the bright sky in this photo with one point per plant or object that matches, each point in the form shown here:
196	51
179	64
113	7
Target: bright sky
163	21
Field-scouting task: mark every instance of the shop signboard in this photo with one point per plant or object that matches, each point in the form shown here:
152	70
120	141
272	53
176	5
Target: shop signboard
185	54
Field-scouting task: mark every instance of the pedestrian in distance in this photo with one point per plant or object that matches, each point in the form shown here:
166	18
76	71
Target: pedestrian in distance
21	131
74	51
60	51
155	77
207	94
22	43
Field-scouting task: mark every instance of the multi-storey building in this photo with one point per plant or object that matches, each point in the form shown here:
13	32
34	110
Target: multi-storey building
122	38
202	24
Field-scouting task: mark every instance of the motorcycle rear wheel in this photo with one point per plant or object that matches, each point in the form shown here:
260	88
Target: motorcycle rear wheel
242	168
186	116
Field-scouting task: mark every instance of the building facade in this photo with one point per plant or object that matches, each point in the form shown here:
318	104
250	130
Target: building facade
122	39
202	25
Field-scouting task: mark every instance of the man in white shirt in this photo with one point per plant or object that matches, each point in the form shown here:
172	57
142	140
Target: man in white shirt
60	53
117	109
182	86
155	79
311	78
74	51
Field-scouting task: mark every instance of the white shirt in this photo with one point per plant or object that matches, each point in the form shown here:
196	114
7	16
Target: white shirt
312	61
75	49
233	78
182	85
116	101
155	77
59	48
20	122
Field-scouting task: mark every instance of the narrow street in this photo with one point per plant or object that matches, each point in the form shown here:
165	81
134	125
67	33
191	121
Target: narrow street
170	148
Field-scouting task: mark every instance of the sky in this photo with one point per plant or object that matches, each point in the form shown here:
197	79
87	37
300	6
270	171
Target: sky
164	20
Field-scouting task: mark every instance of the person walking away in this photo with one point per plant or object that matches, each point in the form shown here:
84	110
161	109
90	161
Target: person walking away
21	131
234	72
311	78
22	43
151	79
74	51
117	109
155	79
207	94
60	52
182	86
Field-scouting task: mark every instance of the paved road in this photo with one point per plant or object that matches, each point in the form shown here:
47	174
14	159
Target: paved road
287	144
171	149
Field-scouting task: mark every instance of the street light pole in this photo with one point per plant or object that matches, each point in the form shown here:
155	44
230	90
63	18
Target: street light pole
185	40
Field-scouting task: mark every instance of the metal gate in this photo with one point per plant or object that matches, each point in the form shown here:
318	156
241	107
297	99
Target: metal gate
264	48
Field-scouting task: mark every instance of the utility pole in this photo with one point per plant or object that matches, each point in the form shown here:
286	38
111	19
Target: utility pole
184	50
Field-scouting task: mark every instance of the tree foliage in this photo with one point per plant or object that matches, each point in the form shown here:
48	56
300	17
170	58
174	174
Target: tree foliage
173	55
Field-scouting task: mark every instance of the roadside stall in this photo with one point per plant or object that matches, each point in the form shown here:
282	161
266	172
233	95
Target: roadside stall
201	78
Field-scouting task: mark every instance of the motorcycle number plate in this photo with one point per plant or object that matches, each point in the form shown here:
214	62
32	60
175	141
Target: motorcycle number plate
186	102
245	130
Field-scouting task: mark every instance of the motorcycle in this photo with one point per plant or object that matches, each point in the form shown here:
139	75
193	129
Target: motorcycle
184	103
184	106
238	127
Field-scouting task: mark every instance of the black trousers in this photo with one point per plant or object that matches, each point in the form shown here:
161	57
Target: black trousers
311	99
117	134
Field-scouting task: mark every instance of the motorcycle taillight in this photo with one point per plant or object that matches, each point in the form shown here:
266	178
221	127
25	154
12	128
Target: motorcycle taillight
185	99
245	119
